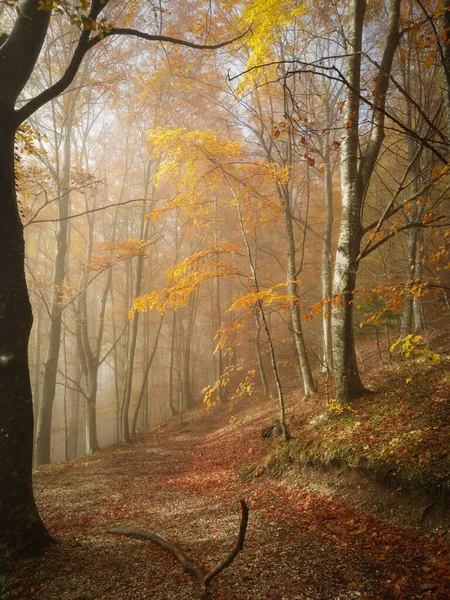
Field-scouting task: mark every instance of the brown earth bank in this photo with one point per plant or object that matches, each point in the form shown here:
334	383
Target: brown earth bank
306	539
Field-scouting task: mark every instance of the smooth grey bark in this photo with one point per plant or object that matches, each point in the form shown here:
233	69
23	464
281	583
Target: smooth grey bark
186	382
44	423
217	311
74	450
292	289
411	317
144	383
173	332
261	368
327	261
173	351
89	355
129	365
356	173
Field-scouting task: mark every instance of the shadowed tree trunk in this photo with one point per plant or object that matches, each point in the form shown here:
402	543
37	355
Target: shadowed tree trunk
20	523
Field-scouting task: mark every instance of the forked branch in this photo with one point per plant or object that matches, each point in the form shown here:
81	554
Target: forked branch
204	578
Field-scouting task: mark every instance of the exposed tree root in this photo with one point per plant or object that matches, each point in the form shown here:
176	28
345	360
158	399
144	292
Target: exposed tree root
203	577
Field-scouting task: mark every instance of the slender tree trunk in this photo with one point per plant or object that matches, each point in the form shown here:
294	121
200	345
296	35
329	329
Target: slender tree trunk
144	385
327	266
292	289
262	372
186	380
412	265
129	369
75	416
43	431
260	309
173	333
407	313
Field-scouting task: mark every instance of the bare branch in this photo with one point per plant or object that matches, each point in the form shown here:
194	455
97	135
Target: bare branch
203	578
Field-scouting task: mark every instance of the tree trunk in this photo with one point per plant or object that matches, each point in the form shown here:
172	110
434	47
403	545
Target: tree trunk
262	372
173	410
407	313
348	383
327	267
129	369
186	382
20	524
357	168
44	424
292	289
144	385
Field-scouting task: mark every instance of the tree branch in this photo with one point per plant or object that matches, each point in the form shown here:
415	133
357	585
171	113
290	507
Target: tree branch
85	44
203	578
391	234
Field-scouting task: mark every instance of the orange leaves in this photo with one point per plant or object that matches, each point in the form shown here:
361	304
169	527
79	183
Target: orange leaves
112	253
185	277
269	297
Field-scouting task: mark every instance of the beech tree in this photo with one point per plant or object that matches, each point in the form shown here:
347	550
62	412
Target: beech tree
356	172
20	523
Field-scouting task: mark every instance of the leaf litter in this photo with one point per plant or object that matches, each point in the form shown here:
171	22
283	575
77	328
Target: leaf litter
181	483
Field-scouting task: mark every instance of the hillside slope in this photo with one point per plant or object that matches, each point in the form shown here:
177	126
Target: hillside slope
181	482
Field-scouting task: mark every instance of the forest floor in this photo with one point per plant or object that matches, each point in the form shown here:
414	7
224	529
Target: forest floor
184	482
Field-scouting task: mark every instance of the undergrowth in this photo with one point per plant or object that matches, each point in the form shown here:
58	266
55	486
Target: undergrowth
399	433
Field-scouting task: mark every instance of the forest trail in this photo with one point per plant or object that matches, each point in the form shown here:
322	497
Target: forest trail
180	482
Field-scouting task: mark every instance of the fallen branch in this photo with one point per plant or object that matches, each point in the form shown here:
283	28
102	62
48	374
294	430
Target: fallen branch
187	564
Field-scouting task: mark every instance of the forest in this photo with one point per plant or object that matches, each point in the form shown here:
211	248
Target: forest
224	299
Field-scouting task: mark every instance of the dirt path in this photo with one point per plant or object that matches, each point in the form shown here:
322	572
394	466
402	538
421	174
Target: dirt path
181	484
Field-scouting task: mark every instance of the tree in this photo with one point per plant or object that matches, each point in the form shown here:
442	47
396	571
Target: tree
20	523
356	172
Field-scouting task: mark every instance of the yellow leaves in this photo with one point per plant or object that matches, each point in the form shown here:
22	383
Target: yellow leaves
185	277
184	150
228	337
267	18
268	297
245	387
334	405
111	253
411	346
48	5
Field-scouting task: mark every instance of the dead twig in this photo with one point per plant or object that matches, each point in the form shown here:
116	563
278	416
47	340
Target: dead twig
187	564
